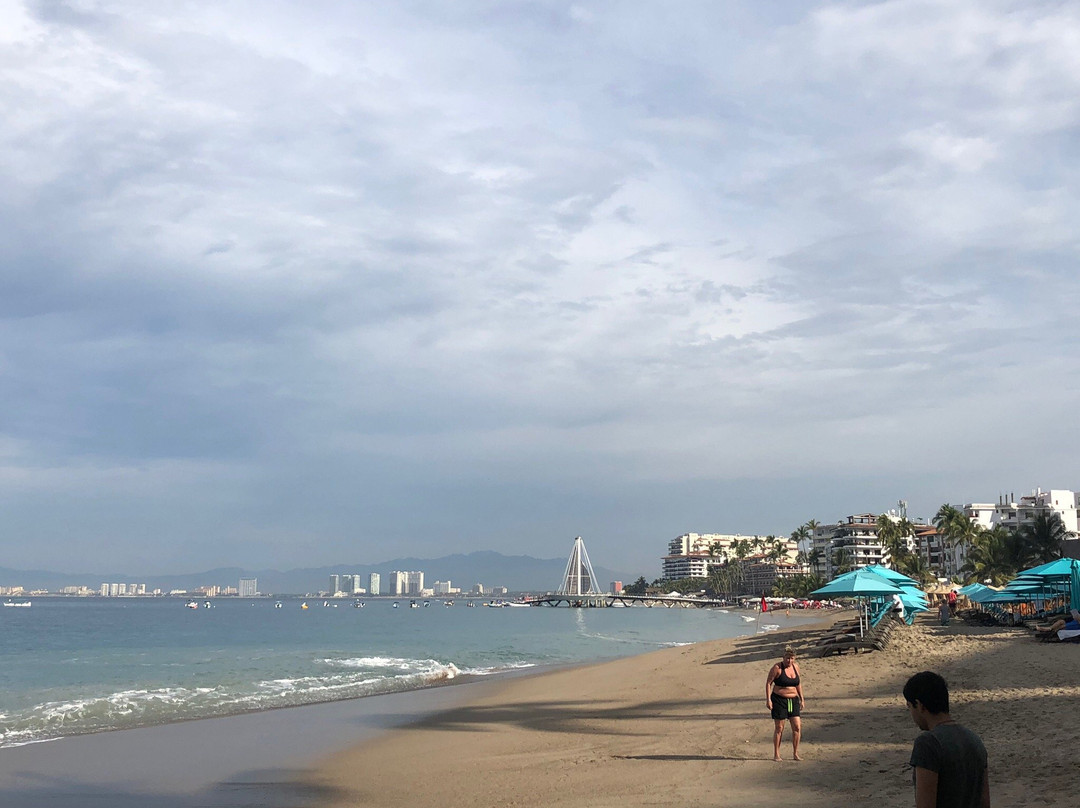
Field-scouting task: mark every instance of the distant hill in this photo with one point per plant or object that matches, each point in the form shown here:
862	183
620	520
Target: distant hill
487	567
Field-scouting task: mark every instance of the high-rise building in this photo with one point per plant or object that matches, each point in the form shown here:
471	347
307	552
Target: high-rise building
335	584
104	590
249	587
373	583
415	583
398	584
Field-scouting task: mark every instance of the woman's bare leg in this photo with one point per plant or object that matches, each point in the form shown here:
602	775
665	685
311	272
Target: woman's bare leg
778	734
796	735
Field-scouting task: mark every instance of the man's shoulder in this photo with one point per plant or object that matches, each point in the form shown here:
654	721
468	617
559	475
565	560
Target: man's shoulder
955	735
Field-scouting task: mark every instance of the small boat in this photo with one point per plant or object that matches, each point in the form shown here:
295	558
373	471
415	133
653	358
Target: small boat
359	604
304	605
395	604
208	605
470	605
23	604
413	604
191	604
277	605
449	603
426	604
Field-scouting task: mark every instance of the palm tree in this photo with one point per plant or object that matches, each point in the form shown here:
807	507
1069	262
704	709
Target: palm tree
893	536
993	556
776	551
915	566
955	527
946	516
726	577
1041	540
800	534
841	560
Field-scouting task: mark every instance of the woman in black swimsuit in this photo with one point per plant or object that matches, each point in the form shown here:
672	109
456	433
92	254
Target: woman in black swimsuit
783	695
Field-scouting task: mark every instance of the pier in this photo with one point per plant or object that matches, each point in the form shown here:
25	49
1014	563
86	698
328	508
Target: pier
599	600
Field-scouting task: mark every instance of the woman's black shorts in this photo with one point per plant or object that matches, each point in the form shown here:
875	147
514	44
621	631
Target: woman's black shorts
783	707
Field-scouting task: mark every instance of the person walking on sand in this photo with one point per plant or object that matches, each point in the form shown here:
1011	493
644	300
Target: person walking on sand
948	759
784	699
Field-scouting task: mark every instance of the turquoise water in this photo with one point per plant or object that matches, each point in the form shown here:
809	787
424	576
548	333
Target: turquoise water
74	666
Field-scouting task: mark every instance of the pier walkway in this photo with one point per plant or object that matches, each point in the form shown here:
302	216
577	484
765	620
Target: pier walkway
600	601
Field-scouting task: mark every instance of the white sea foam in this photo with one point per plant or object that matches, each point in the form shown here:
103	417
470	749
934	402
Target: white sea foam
141	707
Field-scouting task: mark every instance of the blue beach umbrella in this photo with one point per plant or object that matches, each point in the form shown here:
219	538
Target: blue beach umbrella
1007	596
983	595
891	575
1058	568
1074	594
856	584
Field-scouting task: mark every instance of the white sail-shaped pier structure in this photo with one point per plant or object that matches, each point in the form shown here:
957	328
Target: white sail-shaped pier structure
579	578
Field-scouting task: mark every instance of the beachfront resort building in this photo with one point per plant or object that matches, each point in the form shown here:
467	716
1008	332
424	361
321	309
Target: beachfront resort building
761	572
374	583
248	588
693	555
852	542
1012	514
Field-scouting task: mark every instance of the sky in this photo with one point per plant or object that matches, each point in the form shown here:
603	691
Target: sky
289	284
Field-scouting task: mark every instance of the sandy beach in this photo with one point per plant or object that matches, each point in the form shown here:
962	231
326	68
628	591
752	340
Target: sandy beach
688	727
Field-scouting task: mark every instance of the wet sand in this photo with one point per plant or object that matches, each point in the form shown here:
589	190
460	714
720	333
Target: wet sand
258	759
688	727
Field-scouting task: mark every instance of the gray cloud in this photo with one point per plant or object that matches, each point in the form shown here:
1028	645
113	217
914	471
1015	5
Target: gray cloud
299	282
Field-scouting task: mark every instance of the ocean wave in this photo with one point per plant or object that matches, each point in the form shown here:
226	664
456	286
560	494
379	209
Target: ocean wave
125	709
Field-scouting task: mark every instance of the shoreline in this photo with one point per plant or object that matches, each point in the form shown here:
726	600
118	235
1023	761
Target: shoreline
419	674
687	726
264	757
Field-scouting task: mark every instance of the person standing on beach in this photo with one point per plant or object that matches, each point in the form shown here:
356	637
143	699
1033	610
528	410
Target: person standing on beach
948	759
784	699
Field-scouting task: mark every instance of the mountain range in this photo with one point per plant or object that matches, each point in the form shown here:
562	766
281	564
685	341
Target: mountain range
487	567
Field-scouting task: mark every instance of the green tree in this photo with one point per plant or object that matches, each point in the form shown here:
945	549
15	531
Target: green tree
993	556
797	586
955	527
841	560
892	538
915	566
725	579
1040	540
741	548
638	587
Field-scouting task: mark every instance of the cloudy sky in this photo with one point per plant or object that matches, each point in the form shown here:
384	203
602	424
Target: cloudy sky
289	284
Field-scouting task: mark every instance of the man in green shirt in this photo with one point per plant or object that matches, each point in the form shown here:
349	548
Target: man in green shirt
949	760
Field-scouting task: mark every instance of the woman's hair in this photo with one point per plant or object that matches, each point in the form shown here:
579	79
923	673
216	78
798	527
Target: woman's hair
930	690
789	652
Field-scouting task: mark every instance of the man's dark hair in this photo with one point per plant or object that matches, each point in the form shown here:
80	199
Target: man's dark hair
930	690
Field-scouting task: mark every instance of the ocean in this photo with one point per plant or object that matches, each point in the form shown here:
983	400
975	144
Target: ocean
76	666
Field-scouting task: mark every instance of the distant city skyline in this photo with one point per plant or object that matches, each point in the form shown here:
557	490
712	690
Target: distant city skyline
349	282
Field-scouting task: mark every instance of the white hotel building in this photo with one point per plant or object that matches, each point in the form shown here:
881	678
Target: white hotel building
691	555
